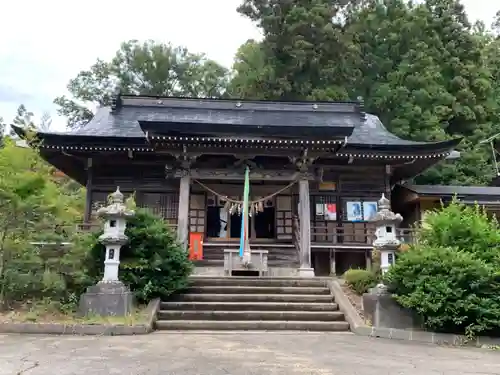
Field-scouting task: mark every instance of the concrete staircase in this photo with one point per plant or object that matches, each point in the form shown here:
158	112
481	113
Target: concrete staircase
243	303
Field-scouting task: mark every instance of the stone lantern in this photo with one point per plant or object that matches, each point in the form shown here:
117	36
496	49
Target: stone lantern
379	307
110	296
115	216
386	240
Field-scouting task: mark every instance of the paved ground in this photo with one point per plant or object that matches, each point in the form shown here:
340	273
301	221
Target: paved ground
236	354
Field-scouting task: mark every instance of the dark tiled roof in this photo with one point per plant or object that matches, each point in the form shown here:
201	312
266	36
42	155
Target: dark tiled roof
373	132
124	121
460	191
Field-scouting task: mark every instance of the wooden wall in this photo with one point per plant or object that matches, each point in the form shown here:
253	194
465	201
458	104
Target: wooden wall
161	195
351	184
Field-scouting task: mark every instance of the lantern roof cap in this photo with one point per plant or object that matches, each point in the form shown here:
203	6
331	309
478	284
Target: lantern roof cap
116	208
384	214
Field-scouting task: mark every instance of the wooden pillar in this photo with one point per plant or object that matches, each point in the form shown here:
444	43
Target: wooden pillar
368	256
183	218
387	181
88	194
305	269
333	263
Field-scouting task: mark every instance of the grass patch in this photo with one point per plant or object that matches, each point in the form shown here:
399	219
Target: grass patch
50	312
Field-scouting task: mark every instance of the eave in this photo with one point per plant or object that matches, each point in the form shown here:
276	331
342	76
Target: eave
406	148
481	195
276	131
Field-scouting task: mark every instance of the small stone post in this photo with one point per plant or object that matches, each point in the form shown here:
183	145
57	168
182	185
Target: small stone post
110	296
386	240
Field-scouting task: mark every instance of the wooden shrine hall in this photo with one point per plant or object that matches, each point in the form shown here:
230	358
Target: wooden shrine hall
317	170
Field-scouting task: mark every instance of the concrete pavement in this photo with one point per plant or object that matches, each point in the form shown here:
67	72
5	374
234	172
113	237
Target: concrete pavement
236	353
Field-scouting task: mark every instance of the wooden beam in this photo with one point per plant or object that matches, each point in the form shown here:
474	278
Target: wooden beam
88	194
247	152
227	174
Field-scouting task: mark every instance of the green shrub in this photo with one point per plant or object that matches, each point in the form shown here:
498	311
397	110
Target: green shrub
464	227
451	277
45	272
452	290
360	280
153	264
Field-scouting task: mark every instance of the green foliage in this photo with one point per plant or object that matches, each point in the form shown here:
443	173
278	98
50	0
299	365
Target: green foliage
464	227
424	72
360	280
453	290
3	126
452	277
153	264
148	68
35	207
250	72
306	55
421	66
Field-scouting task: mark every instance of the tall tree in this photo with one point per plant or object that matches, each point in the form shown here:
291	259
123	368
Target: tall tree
3	127
251	74
423	72
307	56
45	122
32	207
420	66
24	118
147	68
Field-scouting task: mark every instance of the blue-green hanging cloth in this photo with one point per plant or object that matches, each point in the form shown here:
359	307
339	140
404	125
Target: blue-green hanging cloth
245	212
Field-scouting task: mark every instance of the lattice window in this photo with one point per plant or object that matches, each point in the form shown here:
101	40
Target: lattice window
170	205
165	205
284	216
197	213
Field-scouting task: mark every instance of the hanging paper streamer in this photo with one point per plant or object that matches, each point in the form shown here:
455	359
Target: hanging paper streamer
244	213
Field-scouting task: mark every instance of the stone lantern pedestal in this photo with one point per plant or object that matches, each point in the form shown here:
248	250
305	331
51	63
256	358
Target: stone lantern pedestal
107	299
110	297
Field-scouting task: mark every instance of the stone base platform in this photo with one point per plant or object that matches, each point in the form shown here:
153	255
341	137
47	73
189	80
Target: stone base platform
107	299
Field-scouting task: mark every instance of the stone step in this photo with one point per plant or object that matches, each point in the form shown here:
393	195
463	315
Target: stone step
323	316
261	281
270	258
251	325
230	289
249	306
205	297
209	263
220	263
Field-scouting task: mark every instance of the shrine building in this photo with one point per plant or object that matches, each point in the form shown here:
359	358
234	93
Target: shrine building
317	170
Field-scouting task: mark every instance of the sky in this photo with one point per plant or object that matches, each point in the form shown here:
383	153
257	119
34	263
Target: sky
46	43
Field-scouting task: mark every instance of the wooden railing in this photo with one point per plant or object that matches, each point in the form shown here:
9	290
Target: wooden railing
354	235
96	227
407	235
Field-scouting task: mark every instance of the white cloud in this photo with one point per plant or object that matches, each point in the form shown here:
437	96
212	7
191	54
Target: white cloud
46	43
